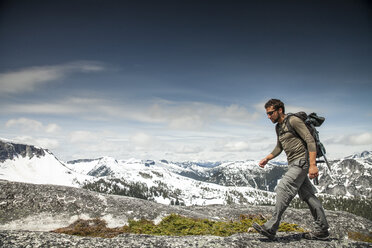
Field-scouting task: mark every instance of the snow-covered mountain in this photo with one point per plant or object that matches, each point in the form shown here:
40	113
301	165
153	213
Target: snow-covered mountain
163	182
351	176
158	181
30	164
188	183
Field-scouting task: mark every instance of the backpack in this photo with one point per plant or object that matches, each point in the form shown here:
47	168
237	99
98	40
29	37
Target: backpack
311	121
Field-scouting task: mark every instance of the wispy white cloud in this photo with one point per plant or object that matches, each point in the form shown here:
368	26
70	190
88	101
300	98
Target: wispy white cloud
189	149
64	107
142	140
359	139
26	124
82	136
52	128
174	115
241	145
198	115
40	142
237	146
294	109
108	143
27	79
289	108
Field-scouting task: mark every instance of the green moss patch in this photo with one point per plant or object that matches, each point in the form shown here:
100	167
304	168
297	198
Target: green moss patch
365	237
172	225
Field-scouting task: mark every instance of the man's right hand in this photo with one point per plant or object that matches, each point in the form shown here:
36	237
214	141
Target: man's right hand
263	162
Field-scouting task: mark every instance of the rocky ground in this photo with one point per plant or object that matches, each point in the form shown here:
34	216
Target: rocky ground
28	212
45	239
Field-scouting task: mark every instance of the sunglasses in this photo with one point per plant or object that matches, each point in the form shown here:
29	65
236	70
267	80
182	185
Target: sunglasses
270	112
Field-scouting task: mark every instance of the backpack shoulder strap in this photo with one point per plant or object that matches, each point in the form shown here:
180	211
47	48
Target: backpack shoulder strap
289	126
277	129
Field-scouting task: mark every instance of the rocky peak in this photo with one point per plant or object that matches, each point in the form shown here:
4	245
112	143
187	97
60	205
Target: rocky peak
82	161
9	150
103	167
364	154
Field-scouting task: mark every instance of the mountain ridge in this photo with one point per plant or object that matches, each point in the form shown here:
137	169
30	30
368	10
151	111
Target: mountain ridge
233	181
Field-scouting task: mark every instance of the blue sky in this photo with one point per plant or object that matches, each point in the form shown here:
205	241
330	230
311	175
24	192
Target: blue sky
182	80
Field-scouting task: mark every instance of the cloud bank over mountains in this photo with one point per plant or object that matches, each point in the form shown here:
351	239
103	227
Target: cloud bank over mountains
123	128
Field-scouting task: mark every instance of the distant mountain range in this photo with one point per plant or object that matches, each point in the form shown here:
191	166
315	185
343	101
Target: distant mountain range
178	183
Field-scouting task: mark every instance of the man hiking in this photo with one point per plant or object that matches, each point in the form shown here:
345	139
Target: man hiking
301	156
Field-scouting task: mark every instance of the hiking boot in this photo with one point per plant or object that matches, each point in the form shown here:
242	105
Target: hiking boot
321	235
263	231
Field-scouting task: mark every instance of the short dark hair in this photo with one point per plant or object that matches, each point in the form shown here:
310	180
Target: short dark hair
276	103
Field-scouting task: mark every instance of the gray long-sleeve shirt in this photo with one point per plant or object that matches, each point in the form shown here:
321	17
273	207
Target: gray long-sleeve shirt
293	146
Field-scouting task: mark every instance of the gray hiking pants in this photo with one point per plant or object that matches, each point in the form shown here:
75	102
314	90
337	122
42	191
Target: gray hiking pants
293	182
